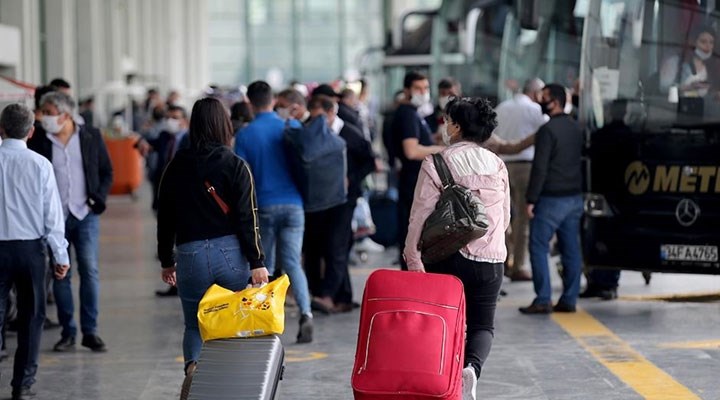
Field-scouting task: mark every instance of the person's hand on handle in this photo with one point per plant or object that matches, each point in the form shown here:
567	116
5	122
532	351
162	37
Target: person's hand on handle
260	276
61	271
168	276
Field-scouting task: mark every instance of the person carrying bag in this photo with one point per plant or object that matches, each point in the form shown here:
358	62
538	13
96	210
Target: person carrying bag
460	211
458	219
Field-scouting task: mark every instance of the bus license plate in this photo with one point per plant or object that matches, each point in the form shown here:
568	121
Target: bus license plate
681	252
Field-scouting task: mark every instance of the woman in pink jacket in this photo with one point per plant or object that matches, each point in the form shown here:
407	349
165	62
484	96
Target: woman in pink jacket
479	265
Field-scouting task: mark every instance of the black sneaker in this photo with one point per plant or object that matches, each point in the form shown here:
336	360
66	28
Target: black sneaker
50	324
564	307
65	344
23	393
171	291
305	333
536	308
590	292
609	294
94	343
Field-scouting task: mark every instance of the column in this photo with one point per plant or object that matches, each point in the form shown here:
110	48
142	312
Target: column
25	15
175	45
202	43
60	49
157	41
145	58
92	72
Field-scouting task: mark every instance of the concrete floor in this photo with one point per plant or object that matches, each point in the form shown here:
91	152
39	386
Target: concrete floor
533	357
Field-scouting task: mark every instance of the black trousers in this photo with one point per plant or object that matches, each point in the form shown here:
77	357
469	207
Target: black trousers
482	283
406	193
22	263
327	238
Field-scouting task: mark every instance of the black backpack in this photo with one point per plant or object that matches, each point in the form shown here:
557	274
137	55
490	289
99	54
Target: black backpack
459	218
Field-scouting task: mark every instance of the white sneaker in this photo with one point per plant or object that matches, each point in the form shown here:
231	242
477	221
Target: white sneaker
469	384
368	245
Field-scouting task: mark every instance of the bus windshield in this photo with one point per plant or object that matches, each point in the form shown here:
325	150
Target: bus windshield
651	65
550	51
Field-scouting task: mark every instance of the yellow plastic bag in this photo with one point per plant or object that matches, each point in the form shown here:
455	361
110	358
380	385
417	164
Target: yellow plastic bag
251	312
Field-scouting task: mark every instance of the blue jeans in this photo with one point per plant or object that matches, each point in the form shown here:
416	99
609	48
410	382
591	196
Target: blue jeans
83	236
281	230
199	265
561	216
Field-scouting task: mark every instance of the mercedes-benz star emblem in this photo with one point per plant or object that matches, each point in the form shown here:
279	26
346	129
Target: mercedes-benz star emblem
687	212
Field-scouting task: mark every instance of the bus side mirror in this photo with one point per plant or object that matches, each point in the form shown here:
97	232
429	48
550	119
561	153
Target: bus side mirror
529	12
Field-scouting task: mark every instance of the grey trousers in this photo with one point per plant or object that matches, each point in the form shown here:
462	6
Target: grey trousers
517	237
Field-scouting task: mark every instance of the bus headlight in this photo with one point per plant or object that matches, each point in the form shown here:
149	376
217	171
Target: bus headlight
597	206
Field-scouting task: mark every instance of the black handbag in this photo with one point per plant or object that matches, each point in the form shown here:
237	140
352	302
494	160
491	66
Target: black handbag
459	218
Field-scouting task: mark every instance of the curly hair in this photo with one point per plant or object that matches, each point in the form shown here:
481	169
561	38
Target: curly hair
474	115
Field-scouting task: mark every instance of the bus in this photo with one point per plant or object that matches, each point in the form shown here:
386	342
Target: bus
460	38
650	104
650	113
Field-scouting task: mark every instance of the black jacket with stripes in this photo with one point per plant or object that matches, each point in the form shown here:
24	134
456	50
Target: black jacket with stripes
188	211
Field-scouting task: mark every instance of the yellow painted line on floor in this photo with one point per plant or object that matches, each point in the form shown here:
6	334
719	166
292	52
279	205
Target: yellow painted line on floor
695	296
291	356
622	360
698	345
301	356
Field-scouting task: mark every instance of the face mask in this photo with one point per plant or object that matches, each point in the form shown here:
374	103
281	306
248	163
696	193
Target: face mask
702	55
50	124
419	100
283	112
172	125
337	125
545	107
443	102
444	134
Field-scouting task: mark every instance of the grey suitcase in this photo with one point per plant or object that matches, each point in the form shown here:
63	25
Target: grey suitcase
239	369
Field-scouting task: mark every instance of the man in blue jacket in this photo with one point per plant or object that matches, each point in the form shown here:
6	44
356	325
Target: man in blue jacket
280	206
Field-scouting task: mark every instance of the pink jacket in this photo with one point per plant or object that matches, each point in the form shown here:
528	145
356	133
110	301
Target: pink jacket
485	174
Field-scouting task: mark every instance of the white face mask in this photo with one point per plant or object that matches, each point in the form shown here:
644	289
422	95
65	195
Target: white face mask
283	112
419	100
702	55
444	134
172	125
443	102
337	125
50	124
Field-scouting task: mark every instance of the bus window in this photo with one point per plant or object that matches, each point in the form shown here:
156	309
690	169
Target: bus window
551	52
660	56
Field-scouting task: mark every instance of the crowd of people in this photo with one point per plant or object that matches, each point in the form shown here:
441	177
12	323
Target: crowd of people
268	197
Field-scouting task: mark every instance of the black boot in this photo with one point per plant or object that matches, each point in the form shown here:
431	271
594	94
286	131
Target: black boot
171	291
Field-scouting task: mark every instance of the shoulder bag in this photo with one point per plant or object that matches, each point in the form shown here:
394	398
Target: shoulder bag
459	218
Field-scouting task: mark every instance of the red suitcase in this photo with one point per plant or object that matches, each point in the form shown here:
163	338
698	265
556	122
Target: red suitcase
411	341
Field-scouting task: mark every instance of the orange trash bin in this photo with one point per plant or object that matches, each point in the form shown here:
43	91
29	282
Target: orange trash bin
127	165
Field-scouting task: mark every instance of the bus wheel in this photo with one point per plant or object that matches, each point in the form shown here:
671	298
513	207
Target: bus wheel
647	275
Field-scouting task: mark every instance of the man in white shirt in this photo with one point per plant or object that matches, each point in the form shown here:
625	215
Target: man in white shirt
31	218
519	118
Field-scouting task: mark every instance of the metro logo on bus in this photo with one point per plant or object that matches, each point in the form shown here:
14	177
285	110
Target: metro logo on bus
637	178
672	179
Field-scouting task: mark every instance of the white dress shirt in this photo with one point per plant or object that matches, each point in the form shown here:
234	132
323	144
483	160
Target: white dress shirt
31	207
70	175
517	119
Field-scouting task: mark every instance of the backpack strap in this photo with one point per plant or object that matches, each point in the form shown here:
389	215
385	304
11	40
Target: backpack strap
443	171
